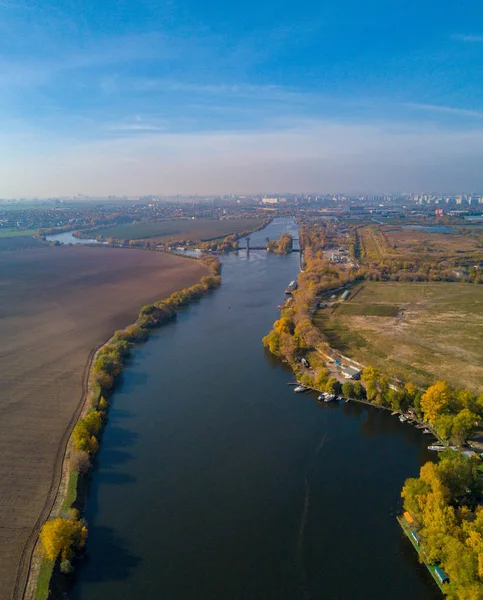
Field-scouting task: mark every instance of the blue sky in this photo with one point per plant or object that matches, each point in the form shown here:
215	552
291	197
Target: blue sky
166	97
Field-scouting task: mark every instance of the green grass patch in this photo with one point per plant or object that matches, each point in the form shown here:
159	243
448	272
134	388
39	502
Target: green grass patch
431	330
198	230
43	582
71	494
5	233
369	310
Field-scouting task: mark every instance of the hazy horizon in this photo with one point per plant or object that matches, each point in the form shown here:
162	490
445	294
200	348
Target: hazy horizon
136	98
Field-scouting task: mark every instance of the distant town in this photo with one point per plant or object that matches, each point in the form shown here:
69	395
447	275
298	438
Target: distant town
77	211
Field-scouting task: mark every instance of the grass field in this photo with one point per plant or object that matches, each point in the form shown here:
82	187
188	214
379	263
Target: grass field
198	230
57	304
14	232
378	243
416	331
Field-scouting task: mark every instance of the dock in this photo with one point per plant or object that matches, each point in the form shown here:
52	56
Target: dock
431	568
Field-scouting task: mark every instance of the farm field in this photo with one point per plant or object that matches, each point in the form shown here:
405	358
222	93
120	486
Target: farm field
414	331
198	230
57	305
4	232
18	242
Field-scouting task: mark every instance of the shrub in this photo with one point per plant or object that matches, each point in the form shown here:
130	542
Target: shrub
79	461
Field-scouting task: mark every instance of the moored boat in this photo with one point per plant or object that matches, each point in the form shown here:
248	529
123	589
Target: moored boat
403	418
437	448
300	389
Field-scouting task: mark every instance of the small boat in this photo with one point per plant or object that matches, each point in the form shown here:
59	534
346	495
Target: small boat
426	432
437	448
300	389
321	398
403	418
420	426
329	398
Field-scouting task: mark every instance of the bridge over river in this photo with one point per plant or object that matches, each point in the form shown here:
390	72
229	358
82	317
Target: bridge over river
261	248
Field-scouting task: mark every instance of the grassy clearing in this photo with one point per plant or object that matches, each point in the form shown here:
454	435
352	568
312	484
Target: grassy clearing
369	310
416	331
5	233
71	494
43	582
198	230
379	243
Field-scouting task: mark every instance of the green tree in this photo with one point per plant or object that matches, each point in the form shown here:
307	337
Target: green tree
444	426
359	391
333	386
348	389
465	399
459	474
464	424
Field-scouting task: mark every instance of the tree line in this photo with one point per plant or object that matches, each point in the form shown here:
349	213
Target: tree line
64	536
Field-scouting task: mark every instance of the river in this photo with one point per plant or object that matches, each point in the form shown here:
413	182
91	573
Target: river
68	238
215	481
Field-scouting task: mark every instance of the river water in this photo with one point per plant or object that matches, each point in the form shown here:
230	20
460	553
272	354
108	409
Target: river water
68	238
215	481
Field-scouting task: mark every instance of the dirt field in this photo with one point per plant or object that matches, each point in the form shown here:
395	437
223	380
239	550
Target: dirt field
198	230
386	242
20	242
57	304
415	331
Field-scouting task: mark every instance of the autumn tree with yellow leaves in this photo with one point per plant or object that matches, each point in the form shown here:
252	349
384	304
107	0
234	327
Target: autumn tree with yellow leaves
436	401
443	501
63	537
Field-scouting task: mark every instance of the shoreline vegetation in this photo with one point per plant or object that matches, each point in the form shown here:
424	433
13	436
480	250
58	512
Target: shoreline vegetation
444	520
284	245
222	244
445	501
63	536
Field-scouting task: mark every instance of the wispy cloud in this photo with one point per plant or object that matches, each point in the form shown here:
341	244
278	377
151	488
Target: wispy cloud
303	156
475	39
450	110
114	84
95	54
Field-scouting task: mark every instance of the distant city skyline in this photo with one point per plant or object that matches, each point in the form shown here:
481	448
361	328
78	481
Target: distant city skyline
167	98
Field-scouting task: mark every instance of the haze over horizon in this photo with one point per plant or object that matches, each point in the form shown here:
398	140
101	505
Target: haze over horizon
138	97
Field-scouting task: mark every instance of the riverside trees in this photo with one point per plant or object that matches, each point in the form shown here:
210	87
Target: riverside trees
62	538
443	501
283	246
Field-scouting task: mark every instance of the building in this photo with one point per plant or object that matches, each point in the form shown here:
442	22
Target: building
351	373
274	200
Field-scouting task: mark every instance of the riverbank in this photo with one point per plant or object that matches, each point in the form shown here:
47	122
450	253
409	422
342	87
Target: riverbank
414	539
57	304
98	383
208	458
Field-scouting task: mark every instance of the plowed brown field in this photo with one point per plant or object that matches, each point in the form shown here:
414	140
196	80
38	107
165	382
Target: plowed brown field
56	306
